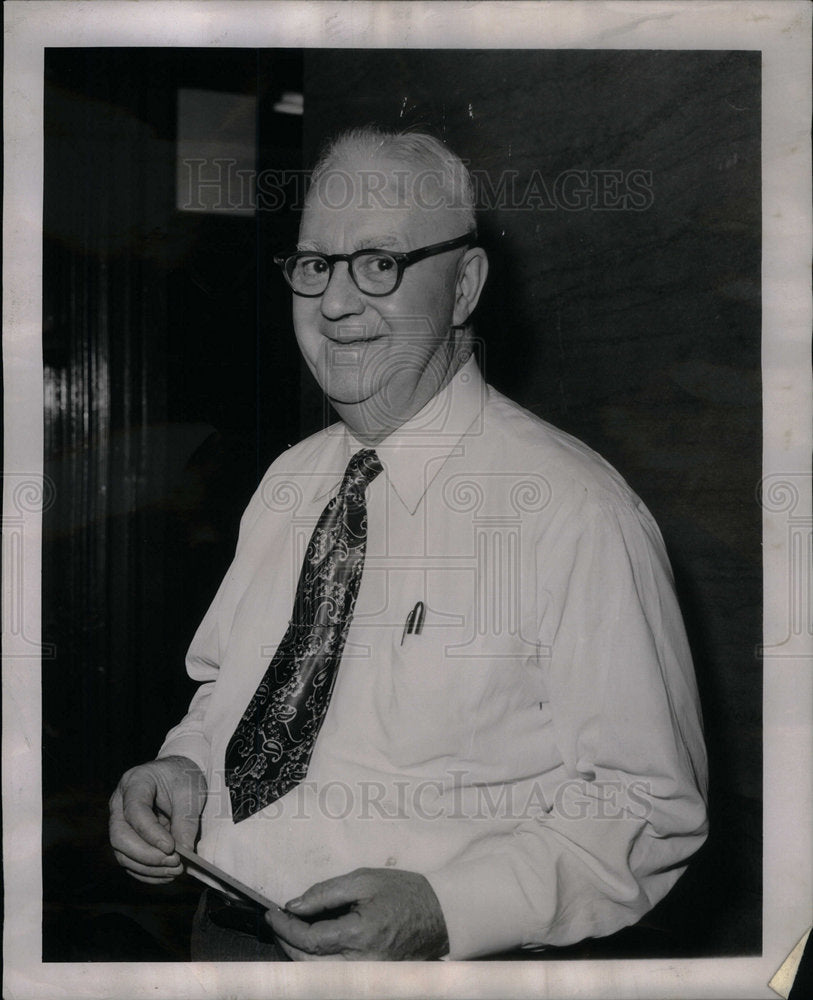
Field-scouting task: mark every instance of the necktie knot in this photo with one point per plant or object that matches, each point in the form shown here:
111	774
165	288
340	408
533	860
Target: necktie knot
361	470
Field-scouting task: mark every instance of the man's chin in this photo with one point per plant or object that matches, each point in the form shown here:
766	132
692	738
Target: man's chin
366	414
347	396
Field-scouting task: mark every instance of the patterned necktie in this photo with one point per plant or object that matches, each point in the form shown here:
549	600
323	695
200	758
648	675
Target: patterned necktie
271	748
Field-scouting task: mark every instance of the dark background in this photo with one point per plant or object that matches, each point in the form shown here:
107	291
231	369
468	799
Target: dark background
172	379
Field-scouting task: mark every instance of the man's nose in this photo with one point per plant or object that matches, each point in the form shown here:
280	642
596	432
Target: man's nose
341	297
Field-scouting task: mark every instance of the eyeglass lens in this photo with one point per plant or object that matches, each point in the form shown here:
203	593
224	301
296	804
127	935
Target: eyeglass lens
375	273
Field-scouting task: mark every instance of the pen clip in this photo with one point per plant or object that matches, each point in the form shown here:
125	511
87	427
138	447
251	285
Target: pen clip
417	622
414	622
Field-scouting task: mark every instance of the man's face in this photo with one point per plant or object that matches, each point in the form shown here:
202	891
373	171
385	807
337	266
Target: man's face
378	359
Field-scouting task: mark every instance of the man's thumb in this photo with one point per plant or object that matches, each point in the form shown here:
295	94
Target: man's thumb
184	830
328	895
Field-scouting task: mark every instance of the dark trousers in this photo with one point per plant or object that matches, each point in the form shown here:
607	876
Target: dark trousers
225	932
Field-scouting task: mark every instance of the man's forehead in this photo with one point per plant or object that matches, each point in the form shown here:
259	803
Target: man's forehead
383	199
384	223
365	178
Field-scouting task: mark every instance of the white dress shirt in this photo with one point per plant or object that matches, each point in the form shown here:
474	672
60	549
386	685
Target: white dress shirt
535	748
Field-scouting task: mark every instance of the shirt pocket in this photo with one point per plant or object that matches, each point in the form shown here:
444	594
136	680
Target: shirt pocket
425	703
450	694
450	676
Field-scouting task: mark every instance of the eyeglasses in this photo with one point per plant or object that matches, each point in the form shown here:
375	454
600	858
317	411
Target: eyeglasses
374	272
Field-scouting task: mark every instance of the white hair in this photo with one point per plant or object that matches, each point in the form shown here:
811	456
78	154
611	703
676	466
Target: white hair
416	149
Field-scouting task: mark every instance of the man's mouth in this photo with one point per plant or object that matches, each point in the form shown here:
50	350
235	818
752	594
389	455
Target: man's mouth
350	335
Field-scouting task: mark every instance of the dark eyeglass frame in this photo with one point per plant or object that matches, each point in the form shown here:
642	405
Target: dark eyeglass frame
287	261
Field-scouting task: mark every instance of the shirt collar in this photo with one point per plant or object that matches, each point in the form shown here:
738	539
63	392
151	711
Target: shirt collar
414	453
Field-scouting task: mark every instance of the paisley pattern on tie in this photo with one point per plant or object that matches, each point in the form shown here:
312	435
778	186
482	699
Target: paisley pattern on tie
271	748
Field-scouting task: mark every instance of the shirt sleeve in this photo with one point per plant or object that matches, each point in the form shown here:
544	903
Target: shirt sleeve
628	807
188	738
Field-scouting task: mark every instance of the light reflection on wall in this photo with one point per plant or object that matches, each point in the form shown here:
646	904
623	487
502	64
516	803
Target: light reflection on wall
216	152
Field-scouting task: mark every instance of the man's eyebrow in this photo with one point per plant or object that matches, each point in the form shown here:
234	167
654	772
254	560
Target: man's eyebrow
381	241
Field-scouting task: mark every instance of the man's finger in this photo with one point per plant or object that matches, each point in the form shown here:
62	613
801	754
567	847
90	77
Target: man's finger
184	831
160	872
148	879
327	895
297	955
325	937
125	840
138	799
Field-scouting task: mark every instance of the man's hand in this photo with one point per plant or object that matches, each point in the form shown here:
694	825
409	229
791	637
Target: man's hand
154	805
391	915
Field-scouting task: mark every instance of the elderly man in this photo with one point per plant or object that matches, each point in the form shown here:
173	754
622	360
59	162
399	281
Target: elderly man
446	704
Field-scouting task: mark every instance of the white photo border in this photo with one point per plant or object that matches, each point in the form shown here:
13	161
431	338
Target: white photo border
781	31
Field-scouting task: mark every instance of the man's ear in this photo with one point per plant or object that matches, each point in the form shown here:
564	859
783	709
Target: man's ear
471	276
